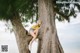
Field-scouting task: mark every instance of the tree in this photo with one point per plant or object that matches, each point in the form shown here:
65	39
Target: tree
13	10
48	39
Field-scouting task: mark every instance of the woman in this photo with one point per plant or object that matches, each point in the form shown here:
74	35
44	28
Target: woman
34	31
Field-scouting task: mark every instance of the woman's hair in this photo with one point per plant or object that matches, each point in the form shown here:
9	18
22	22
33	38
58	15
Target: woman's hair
39	22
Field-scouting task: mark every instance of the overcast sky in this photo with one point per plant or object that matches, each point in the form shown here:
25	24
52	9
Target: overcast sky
69	36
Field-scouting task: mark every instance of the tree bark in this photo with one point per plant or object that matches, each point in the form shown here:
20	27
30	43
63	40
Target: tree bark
22	37
48	39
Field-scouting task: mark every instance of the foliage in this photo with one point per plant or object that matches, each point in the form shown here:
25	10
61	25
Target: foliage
23	7
65	10
29	8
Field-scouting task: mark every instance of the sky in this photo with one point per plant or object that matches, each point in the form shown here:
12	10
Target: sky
68	33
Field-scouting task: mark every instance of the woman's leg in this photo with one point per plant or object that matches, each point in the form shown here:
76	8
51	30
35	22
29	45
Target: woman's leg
34	37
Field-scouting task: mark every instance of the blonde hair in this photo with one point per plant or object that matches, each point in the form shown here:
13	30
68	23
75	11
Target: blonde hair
37	25
39	22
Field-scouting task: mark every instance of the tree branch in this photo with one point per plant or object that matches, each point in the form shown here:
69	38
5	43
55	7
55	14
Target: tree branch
60	13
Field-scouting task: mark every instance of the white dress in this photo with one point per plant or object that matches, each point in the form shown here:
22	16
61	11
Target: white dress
34	46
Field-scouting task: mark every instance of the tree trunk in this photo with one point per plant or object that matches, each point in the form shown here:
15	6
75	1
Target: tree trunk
48	40
20	34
